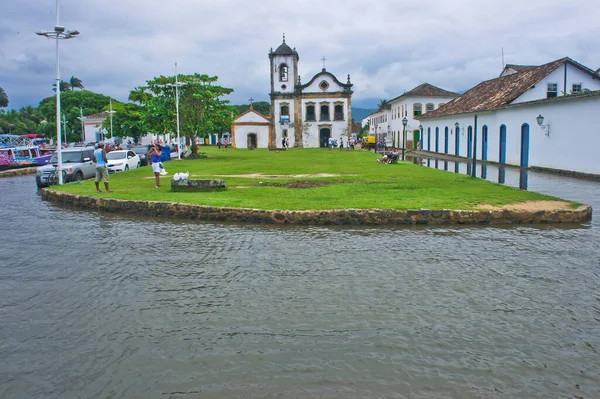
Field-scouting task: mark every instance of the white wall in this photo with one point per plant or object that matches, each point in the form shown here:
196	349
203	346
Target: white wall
290	84
574	76
572	145
241	135
315	86
279	128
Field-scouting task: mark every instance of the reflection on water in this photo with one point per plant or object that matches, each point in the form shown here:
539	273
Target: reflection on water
513	176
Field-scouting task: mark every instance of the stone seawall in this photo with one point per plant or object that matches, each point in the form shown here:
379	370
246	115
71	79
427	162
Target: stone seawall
328	217
18	172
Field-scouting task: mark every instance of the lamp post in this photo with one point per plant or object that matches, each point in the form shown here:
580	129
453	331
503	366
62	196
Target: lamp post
111	112
59	32
404	123
421	139
64	122
176	85
82	125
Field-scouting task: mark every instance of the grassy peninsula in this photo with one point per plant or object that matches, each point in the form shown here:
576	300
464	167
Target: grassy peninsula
311	179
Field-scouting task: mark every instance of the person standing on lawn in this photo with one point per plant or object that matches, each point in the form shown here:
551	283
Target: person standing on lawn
156	153
99	157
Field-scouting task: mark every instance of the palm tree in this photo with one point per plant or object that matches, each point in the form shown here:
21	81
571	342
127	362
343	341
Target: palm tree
64	86
76	83
382	105
3	98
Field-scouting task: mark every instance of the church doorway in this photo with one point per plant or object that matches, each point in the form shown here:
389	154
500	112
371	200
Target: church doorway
324	135
252	141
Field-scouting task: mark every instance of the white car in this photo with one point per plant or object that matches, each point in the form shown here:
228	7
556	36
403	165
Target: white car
122	160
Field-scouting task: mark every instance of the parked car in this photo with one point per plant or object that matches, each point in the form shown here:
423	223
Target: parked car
122	160
142	151
77	164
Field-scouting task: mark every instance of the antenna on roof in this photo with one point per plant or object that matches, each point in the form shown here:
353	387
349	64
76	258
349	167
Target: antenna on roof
503	58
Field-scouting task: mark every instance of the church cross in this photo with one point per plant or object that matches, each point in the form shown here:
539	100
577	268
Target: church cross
251	100
323	59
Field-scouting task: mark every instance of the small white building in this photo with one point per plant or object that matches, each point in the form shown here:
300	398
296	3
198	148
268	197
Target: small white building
251	130
307	114
387	123
92	125
531	116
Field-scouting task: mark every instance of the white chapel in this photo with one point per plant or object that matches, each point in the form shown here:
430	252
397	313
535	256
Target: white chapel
306	114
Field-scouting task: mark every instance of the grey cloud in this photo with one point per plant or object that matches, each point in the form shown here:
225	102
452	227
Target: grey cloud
386	46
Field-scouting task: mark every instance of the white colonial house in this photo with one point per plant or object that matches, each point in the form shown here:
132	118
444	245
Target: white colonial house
92	125
531	116
307	114
387	123
251	130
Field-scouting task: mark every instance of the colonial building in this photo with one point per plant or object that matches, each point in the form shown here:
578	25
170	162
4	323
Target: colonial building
92	125
531	116
251	130
387	122
307	114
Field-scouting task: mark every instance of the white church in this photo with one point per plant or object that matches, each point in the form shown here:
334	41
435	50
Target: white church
306	115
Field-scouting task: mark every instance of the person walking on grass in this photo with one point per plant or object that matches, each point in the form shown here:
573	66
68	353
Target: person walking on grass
99	157
156	153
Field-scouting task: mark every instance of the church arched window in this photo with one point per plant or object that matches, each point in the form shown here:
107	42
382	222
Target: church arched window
283	73
338	113
310	112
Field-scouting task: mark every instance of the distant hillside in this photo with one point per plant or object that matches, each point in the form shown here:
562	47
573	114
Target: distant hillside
358	114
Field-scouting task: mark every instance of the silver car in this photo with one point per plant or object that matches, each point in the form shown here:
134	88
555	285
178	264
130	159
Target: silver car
77	165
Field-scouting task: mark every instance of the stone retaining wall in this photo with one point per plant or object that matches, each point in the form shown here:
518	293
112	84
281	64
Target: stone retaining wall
18	172
329	217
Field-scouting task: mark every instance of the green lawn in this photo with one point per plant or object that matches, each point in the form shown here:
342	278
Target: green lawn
359	182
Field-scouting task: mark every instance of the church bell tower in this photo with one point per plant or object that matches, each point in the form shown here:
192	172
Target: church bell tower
284	69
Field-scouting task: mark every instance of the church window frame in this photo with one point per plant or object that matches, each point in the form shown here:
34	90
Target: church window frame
310	116
429	107
284	113
283	72
324	111
338	111
324	85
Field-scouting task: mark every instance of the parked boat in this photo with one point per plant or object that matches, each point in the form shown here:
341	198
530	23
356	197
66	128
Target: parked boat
20	152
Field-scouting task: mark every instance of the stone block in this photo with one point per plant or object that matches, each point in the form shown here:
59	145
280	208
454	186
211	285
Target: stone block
197	185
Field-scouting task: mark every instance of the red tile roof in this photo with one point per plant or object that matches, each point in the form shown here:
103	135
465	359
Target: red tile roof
500	92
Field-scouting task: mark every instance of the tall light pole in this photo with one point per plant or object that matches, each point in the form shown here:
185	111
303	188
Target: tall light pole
64	122
82	125
473	172
59	32
176	85
404	123
111	112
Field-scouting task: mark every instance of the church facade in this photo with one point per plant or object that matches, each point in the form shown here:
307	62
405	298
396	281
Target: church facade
307	115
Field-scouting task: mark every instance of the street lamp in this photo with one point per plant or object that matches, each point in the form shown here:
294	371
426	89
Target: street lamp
59	32
545	128
176	85
111	112
82	124
421	140
404	123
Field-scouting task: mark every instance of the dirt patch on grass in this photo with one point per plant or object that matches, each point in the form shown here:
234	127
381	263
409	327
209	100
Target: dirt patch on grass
261	176
530	206
303	183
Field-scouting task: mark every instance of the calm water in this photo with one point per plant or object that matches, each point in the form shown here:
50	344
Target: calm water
105	306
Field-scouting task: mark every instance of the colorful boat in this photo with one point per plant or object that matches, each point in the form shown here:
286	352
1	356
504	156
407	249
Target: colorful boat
20	152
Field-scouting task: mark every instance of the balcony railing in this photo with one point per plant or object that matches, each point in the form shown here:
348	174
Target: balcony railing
324	117
311	117
339	116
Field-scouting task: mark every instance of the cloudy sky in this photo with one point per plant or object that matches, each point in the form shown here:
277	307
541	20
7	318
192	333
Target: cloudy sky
387	46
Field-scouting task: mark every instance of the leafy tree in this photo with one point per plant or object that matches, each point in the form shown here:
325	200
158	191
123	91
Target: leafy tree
127	120
140	95
75	83
3	98
201	109
264	107
71	101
